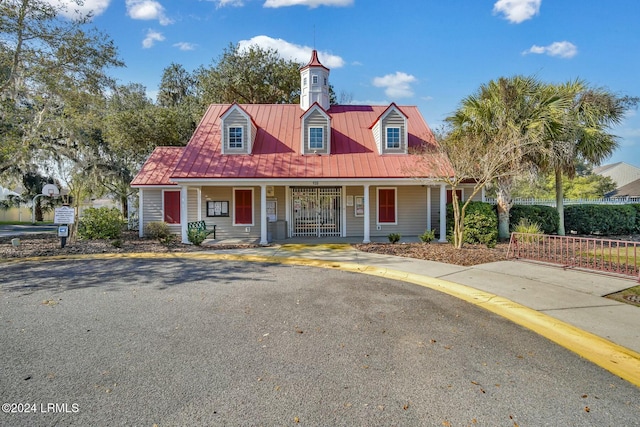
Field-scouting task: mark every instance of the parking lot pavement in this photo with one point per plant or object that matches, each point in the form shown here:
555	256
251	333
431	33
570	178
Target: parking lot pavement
211	342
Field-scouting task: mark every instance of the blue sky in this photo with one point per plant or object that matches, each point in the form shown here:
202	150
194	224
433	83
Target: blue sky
429	53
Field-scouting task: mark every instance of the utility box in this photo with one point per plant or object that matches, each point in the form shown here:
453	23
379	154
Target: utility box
277	230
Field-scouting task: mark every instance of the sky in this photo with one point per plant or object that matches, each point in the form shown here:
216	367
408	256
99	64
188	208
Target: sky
428	53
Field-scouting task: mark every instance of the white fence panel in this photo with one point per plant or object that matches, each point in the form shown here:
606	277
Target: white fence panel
552	202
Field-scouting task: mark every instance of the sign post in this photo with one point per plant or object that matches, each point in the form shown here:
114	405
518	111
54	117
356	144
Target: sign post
64	216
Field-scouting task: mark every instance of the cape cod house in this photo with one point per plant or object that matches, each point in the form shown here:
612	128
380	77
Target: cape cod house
313	169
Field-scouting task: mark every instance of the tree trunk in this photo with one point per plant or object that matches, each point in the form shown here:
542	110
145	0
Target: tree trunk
125	207
38	207
503	203
458	221
560	201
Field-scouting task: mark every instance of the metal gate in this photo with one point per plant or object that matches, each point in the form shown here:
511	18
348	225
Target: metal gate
315	211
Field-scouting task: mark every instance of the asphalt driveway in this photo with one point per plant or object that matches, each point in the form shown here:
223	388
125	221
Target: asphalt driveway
185	342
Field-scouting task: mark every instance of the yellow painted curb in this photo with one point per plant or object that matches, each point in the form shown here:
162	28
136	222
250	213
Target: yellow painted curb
618	360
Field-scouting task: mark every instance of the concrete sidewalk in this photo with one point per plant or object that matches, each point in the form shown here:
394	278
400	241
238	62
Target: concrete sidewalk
574	297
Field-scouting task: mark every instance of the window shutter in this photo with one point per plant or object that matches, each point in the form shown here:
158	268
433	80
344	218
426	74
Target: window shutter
172	207
244	208
387	205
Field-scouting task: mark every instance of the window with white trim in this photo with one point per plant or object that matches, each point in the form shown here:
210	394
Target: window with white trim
393	137
235	137
316	138
314	80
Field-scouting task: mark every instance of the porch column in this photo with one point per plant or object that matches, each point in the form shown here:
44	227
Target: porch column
263	215
140	215
199	196
443	213
428	207
184	212
367	222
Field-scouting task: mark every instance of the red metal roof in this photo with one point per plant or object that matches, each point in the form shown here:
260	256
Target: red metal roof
277	148
159	167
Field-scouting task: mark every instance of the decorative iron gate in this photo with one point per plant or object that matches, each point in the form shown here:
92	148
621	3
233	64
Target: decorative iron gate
315	211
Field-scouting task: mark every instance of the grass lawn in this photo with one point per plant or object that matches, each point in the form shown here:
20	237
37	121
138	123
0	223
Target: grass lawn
623	256
629	296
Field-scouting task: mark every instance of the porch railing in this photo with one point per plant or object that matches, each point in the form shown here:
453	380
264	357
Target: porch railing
604	255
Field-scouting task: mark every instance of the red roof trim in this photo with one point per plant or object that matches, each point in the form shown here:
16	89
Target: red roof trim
314	62
385	112
236	105
315	104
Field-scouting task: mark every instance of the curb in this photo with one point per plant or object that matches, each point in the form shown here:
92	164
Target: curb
618	360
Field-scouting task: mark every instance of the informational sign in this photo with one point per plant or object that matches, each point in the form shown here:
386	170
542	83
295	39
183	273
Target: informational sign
272	210
63	231
64	215
359	210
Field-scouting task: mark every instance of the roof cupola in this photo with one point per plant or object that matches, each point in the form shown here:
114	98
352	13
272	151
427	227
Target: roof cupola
314	83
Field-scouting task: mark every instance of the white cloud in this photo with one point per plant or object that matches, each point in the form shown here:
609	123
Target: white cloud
72	10
147	10
311	3
396	85
293	52
151	38
185	46
233	3
517	11
562	49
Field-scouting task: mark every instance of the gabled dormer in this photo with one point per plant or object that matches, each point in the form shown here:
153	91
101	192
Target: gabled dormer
390	131
314	84
315	128
238	131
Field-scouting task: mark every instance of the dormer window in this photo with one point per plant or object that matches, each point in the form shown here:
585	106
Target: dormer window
390	131
316	139
393	137
235	137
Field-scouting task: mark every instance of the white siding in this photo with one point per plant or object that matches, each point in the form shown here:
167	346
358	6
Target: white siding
224	225
317	120
355	225
377	135
236	119
411	211
394	119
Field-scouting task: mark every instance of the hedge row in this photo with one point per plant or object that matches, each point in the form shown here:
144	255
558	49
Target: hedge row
602	219
545	216
582	219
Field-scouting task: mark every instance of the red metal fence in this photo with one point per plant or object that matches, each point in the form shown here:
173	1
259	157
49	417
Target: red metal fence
610	256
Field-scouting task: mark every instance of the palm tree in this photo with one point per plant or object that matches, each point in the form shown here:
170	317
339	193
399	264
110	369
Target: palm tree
515	112
584	135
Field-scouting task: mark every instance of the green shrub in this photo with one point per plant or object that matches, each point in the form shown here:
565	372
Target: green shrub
545	216
636	206
394	237
157	230
102	223
480	224
197	236
428	236
600	219
528	227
